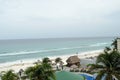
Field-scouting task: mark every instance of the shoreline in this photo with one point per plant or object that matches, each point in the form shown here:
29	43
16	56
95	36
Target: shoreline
23	64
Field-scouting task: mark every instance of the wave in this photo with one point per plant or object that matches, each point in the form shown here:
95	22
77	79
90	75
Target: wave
31	52
98	44
32	60
51	50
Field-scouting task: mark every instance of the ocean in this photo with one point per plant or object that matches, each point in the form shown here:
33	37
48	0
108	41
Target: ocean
20	49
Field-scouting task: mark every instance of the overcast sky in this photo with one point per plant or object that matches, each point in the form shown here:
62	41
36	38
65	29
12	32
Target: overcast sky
59	18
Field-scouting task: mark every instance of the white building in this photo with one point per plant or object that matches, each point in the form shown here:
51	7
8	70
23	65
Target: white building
118	44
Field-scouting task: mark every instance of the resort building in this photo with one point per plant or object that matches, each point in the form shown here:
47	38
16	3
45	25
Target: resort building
118	44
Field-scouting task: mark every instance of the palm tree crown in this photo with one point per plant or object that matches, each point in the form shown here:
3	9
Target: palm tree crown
40	72
57	60
114	44
108	64
9	75
46	60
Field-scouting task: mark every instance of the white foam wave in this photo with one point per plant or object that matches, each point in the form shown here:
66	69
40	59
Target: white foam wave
98	44
31	52
31	60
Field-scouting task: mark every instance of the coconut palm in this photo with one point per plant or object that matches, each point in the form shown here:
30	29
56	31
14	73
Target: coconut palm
40	72
107	49
46	60
30	71
9	75
44	72
57	60
114	44
108	65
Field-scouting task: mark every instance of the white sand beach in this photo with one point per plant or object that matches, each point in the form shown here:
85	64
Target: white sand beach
86	58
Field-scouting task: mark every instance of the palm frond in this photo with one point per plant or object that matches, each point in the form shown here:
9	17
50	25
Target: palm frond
100	75
108	77
117	76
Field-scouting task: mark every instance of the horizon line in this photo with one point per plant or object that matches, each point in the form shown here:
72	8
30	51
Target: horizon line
61	37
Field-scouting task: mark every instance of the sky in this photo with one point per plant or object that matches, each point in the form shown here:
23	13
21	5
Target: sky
21	19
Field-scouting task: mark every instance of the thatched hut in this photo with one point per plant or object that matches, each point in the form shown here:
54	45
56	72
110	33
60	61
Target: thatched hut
73	60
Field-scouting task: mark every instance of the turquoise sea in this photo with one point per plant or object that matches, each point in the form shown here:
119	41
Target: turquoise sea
13	50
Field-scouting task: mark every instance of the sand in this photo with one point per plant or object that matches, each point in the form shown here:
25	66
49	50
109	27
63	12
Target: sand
86	58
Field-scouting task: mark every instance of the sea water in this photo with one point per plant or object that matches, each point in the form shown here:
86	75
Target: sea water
13	50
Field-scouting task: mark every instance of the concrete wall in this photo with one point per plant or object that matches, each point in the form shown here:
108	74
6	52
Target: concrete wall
118	44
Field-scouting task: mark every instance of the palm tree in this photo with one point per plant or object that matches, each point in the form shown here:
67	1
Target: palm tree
57	60
30	71
114	44
107	49
46	72
46	60
9	75
108	65
40	72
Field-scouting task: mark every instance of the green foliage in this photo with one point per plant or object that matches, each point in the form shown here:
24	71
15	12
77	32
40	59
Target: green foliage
107	63
40	72
107	49
30	71
57	60
114	44
46	60
9	75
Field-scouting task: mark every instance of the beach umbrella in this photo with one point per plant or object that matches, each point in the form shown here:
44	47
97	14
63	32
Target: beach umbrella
64	75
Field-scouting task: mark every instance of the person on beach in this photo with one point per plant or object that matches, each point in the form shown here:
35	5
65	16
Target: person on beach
62	67
57	66
20	72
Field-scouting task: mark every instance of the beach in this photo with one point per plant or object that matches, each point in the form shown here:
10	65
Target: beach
22	53
85	58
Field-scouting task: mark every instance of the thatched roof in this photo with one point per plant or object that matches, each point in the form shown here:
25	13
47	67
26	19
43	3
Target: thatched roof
73	59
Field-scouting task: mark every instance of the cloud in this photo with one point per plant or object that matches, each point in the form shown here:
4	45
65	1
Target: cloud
58	17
